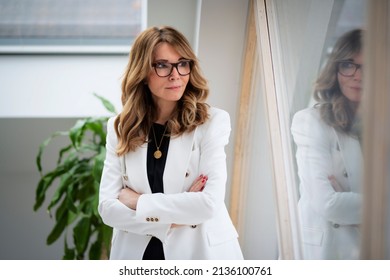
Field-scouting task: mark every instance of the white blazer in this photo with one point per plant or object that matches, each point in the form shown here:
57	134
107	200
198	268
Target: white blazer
207	231
329	219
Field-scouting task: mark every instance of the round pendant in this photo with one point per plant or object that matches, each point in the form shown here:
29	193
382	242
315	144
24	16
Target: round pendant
157	154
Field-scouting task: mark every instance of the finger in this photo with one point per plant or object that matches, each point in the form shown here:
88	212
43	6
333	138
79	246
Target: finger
195	184
204	181
196	187
199	186
335	184
198	179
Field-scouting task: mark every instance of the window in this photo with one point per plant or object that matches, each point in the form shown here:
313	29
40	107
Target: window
307	30
70	26
300	38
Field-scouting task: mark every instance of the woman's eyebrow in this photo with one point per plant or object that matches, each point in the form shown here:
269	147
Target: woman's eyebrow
161	60
166	60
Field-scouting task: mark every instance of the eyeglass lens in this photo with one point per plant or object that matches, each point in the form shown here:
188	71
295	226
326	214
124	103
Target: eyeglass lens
347	68
164	69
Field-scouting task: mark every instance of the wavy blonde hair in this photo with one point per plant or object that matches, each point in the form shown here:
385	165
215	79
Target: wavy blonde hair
335	108
132	125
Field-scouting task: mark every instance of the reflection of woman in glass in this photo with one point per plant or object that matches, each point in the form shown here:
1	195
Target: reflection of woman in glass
329	156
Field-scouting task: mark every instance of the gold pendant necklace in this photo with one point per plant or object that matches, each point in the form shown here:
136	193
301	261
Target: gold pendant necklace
157	154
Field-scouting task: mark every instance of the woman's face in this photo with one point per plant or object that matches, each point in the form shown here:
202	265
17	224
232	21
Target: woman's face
167	90
351	86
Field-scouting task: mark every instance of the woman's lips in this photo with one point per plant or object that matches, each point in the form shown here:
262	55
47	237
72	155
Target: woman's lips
174	87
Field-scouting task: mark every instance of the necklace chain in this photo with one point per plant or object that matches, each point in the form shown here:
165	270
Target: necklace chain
157	154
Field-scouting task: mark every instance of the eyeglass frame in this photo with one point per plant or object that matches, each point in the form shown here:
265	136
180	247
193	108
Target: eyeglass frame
173	65
356	65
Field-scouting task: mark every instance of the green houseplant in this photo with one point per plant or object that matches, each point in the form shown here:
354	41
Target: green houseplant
76	178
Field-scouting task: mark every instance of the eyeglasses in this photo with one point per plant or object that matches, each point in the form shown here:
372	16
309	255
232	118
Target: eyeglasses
164	69
348	68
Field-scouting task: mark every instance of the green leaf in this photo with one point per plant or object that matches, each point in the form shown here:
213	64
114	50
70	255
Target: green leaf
86	198
61	190
107	104
76	133
57	230
47	180
100	249
95	202
61	210
69	252
62	152
44	183
99	134
98	165
106	232
72	217
40	152
87	148
69	198
95	250
44	145
81	235
40	194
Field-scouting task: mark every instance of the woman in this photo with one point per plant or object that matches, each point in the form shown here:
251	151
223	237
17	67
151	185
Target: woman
329	156
169	145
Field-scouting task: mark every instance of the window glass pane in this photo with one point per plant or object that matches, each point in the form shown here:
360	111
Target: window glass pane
327	152
70	22
327	136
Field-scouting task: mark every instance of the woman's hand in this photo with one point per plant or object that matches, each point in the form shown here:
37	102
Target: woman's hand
336	185
129	198
197	186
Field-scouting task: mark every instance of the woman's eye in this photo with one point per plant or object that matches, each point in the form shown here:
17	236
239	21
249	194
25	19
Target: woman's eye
161	65
183	63
347	65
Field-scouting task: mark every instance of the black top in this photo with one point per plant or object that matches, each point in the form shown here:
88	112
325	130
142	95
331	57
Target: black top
155	169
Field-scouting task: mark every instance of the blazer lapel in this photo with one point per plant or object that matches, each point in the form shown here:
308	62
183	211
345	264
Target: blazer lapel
177	162
137	170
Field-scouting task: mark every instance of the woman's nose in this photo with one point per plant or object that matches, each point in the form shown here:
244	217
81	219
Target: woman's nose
358	74
174	74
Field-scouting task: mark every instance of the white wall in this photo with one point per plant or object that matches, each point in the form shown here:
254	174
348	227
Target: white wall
58	86
221	42
181	14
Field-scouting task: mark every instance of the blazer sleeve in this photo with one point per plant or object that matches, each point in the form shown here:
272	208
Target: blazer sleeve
113	212
313	141
190	208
